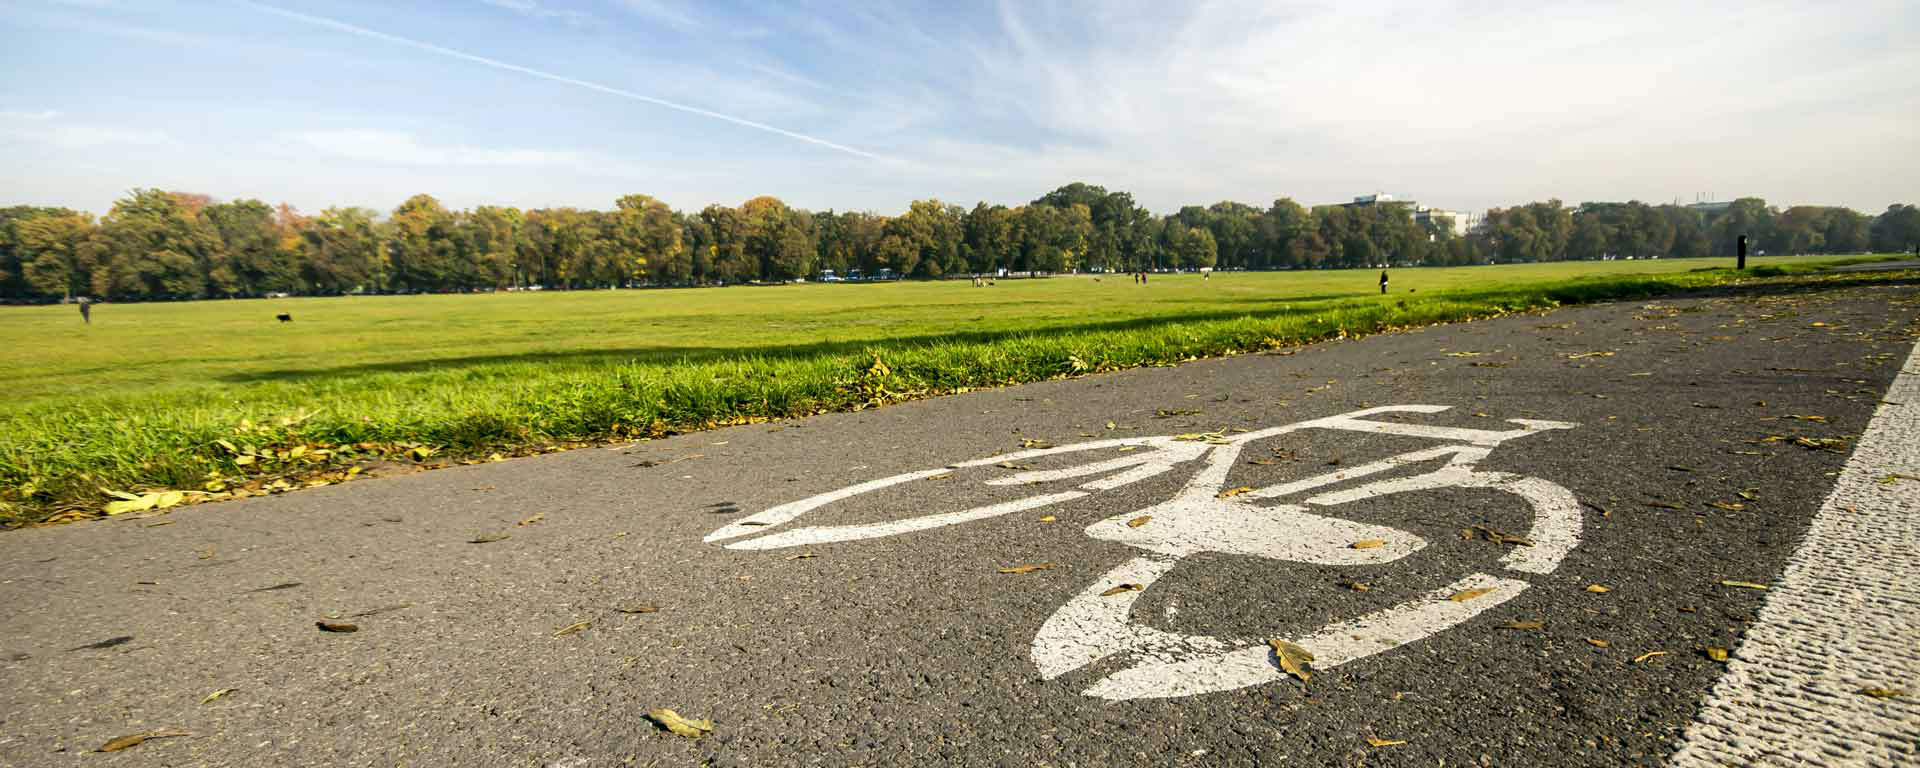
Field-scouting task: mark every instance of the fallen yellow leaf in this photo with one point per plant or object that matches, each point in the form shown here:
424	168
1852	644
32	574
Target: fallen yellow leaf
1717	653
128	742
1599	589
680	726
1599	643
1048	519
1368	544
1525	625
569	629
1746	584
1295	660
1648	655
211	697
1469	594
1027	568
1883	693
1377	743
1232	492
1140	521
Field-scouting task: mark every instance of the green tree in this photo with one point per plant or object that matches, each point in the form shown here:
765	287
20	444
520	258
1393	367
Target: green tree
491	237
1234	227
13	282
156	244
778	239
57	261
342	252
423	245
988	239
1277	231
1897	230
250	262
646	234
1748	216
727	255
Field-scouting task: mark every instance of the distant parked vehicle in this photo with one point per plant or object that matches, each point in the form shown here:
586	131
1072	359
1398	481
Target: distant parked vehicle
827	276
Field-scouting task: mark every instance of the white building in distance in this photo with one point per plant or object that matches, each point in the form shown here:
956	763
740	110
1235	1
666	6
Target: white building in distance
1463	221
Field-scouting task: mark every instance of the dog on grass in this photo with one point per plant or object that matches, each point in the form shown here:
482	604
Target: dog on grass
284	317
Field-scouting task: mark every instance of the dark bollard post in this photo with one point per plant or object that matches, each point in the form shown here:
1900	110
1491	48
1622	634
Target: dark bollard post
1743	253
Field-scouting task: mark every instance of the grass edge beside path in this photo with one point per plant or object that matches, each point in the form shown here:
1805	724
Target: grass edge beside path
143	455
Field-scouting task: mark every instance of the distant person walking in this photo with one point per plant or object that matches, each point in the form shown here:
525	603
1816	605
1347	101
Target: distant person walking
86	311
1383	282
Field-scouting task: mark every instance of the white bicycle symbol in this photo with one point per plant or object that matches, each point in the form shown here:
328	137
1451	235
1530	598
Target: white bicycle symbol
1097	624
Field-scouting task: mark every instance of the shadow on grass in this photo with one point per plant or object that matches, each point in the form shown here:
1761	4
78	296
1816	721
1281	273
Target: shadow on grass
1598	290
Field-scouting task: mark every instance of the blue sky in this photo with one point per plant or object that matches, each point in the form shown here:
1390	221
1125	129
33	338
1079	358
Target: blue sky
870	105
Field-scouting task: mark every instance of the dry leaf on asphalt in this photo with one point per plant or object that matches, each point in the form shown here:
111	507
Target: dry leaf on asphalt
1599	589
680	726
1648	655
1717	653
1469	594
1048	519
804	556
638	608
1295	660
1140	521
489	538
1356	586
1232	492
127	742
336	626
1122	588
215	696
537	517
1368	544
1377	743
1746	584
1027	568
1498	536
1599	643
1883	693
1525	625
569	629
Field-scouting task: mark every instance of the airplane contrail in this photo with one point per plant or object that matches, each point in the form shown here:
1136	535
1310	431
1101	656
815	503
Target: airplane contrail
342	26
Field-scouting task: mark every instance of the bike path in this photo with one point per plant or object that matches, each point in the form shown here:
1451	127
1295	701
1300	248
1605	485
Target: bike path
1700	440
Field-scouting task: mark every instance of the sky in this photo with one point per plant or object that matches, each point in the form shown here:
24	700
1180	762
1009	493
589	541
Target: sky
871	105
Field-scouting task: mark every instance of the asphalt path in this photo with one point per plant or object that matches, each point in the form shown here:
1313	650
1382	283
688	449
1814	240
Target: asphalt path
532	612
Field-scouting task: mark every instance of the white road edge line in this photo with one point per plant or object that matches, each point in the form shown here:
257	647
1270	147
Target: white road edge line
1843	617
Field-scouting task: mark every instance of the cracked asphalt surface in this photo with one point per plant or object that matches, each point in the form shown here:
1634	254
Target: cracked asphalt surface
914	649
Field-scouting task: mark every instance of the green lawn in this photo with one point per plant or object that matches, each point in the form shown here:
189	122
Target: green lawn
229	346
142	397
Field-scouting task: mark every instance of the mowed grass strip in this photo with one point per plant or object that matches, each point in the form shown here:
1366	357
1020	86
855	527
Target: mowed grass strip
217	399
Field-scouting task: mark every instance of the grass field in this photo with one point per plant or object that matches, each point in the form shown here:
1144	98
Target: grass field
217	398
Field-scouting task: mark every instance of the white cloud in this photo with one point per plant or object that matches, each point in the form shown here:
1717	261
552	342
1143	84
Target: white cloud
46	127
403	149
535	9
670	11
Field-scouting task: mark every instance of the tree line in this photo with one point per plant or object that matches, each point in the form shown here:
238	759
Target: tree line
161	244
